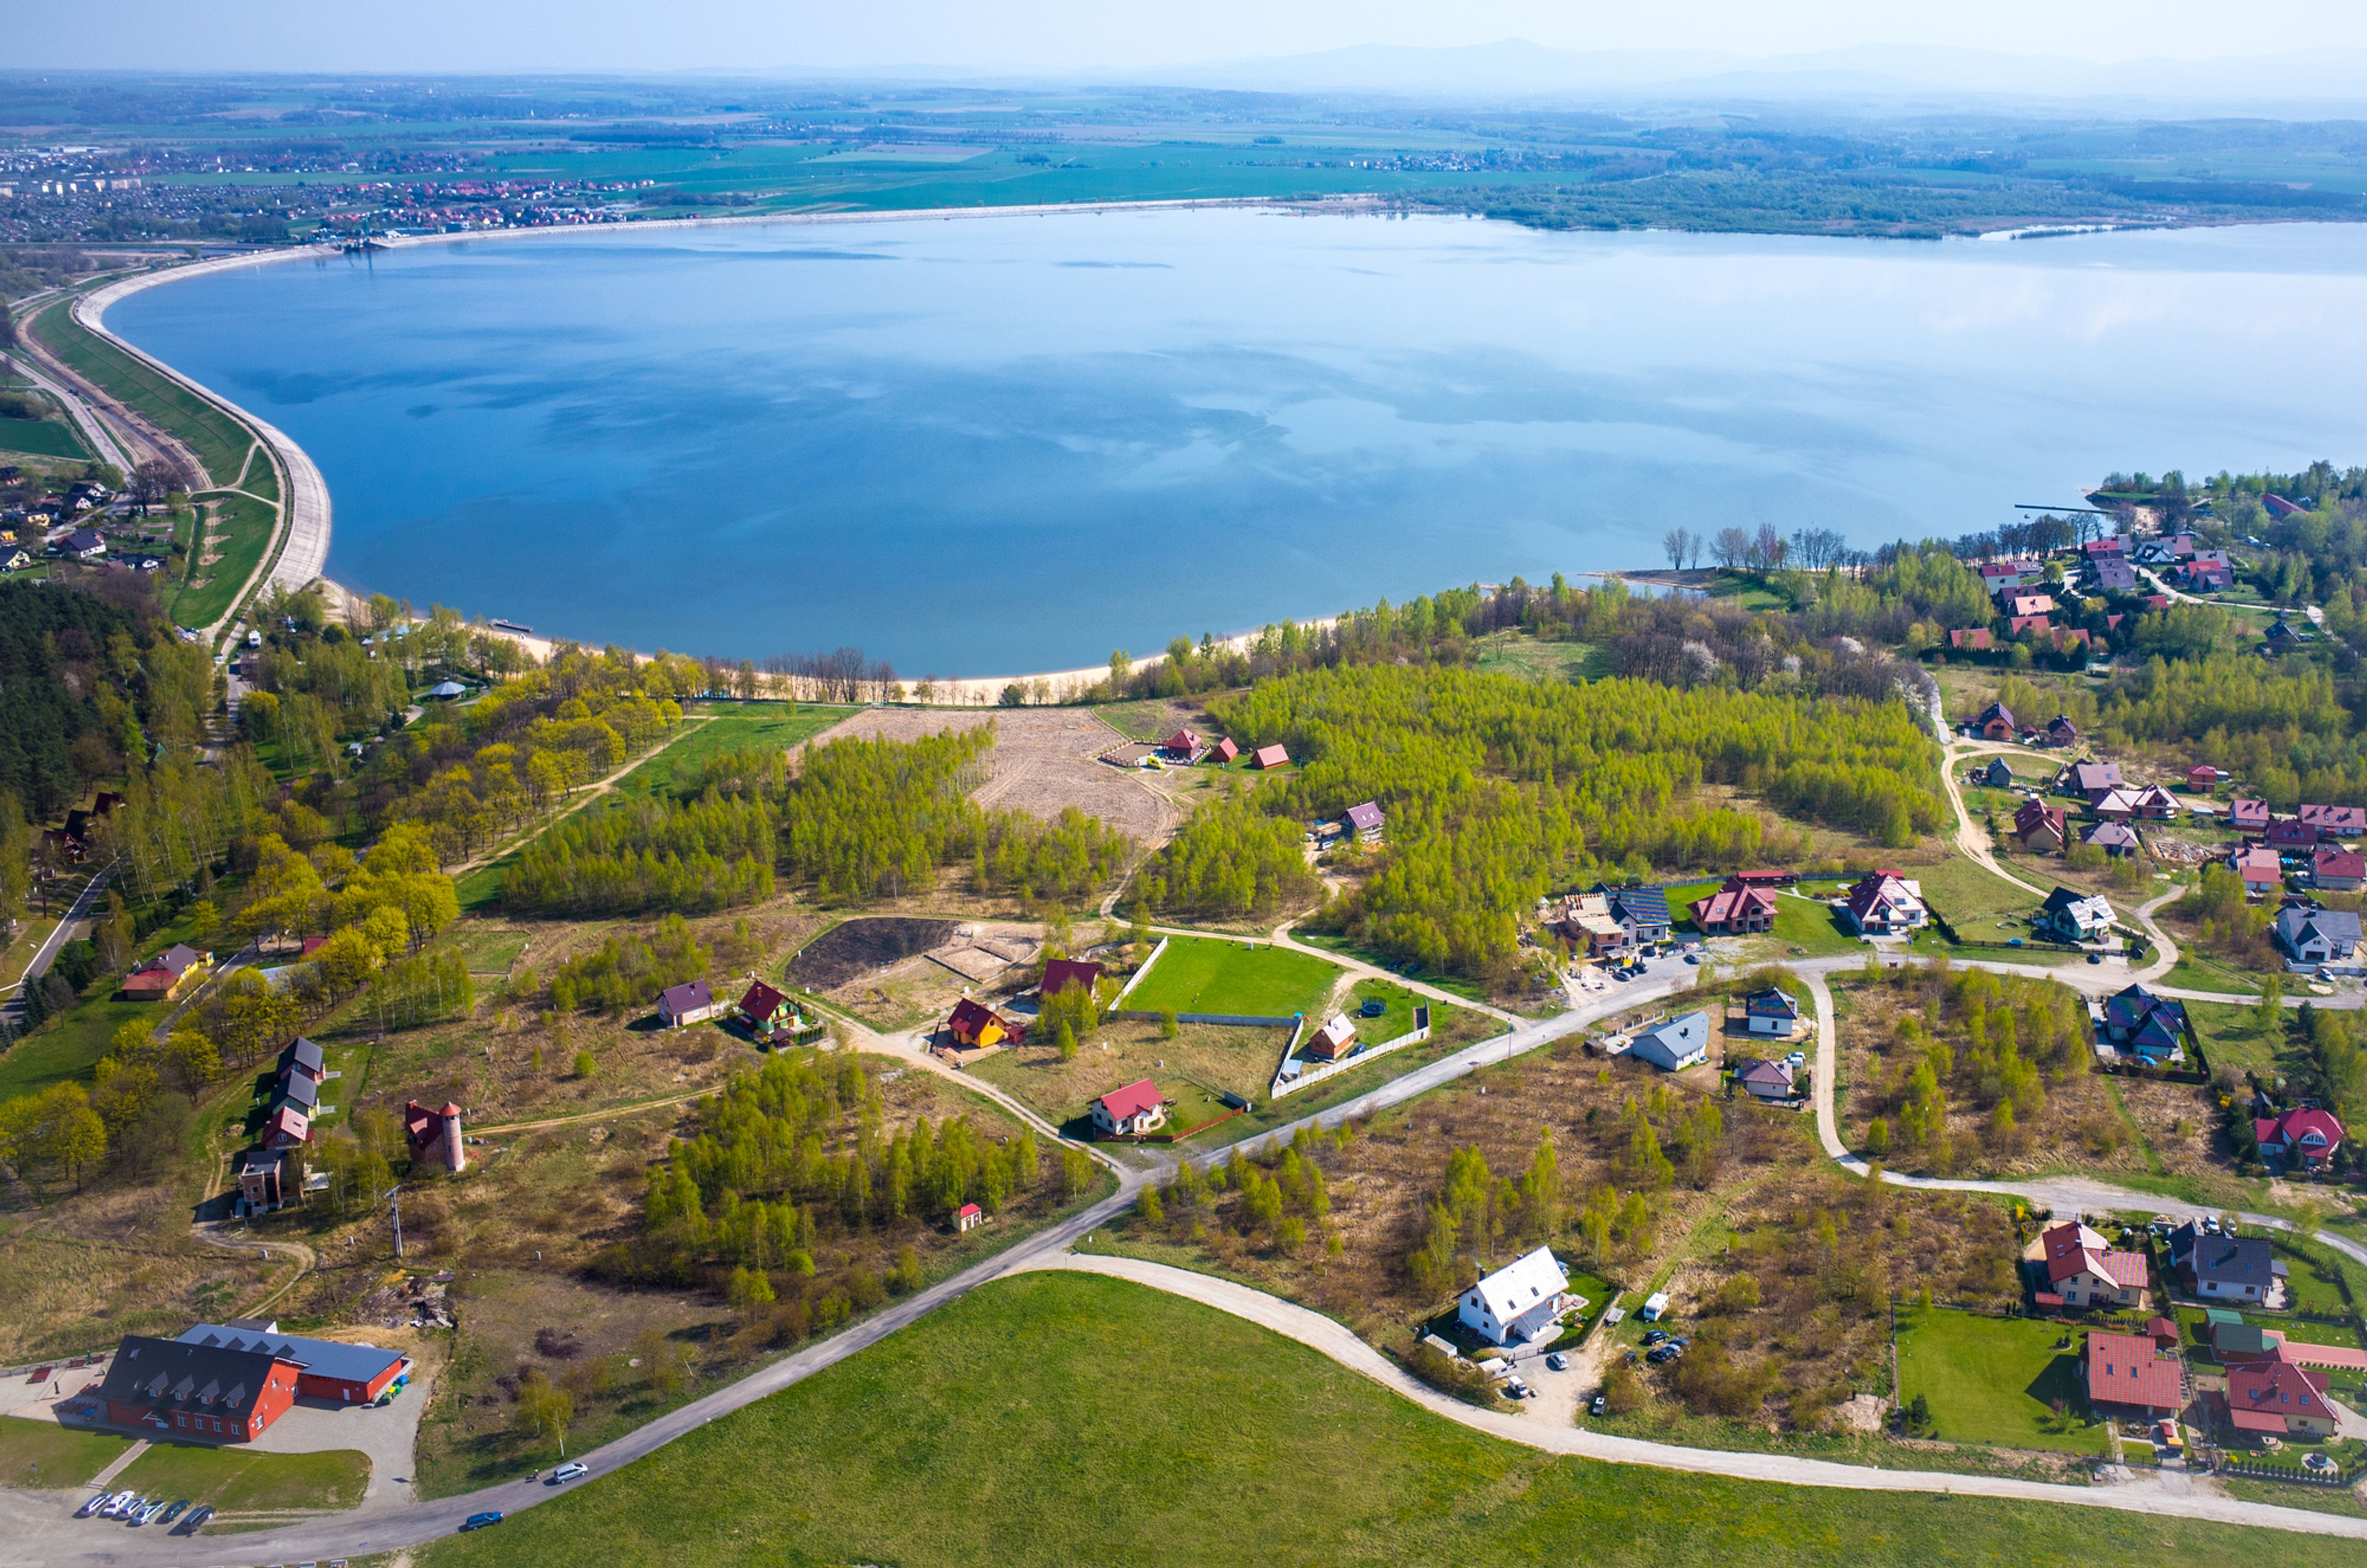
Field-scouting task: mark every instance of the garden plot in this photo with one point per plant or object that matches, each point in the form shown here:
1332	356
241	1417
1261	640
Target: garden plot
853	949
1044	761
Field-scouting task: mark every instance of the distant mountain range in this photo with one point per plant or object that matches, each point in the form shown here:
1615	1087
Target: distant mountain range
2312	84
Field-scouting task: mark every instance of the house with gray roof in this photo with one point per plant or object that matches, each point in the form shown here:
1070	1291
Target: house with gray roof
1677	1044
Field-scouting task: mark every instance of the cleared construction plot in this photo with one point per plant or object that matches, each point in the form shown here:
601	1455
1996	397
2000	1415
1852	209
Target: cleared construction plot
1044	760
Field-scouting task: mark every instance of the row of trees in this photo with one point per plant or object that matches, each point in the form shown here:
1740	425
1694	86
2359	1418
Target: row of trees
699	856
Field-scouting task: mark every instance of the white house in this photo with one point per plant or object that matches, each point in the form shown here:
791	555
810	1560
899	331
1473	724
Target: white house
1519	1301
1677	1044
2067	916
1772	1011
1130	1111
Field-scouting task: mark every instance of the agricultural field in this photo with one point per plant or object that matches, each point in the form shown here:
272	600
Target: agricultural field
1044	760
1997	1379
42	438
915	1452
1208	974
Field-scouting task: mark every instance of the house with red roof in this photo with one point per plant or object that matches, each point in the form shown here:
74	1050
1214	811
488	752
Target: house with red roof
1971	639
2263	872
2202	776
1059	973
2336	821
2276	1397
2129	1373
286	1128
1183	744
1225	750
2335	870
1270	757
2248	815
1131	1111
165	976
1736	911
2289	833
768	1013
2029	605
969	1217
975	1026
1885	903
2072	1266
435	1135
2304	1137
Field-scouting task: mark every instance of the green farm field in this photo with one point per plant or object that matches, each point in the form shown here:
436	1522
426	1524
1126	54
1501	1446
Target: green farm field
1204	975
1989	1380
1233	1447
42	438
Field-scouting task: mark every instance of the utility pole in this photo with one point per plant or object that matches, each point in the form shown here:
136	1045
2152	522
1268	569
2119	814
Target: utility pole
394	1211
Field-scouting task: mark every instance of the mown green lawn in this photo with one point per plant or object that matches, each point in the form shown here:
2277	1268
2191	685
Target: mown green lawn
45	1455
1993	1379
233	1479
1204	975
246	527
730	727
990	1433
42	438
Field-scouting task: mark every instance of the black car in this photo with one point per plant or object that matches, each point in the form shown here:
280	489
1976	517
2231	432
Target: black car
479	1521
175	1512
1656	1336
196	1521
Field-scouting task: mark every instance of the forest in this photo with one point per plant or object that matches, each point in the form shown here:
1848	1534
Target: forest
792	1177
1500	790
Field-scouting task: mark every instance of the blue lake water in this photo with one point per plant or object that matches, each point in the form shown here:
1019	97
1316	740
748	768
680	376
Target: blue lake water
990	444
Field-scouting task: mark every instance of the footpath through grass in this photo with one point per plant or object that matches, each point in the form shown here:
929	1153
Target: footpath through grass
1206	974
987	1433
219	441
1996	1379
42	1454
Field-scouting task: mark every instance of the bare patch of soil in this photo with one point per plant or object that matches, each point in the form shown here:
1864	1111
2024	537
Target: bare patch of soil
856	948
1044	760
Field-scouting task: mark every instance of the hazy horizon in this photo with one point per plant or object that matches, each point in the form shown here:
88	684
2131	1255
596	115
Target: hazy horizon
1062	38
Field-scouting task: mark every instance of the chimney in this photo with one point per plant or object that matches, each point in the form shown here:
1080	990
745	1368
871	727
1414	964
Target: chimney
455	1154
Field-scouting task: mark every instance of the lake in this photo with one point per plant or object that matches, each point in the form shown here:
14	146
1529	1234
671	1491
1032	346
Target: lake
992	445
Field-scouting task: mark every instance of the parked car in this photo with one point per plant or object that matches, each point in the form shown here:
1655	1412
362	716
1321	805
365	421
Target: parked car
124	1503
1599	1404
196	1521
1693	958
175	1512
149	1513
97	1501
1516	1388
1656	1336
2095	958
1660	1355
479	1521
569	1471
1557	1361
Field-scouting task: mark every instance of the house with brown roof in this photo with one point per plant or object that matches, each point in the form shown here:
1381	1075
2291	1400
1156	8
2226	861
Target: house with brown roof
2043	828
2072	1266
2115	839
2061	731
2091	779
1995	722
2129	1374
1364	820
2289	833
1768	1081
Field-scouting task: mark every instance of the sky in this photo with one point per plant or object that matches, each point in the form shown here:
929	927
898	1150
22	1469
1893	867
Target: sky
1061	35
